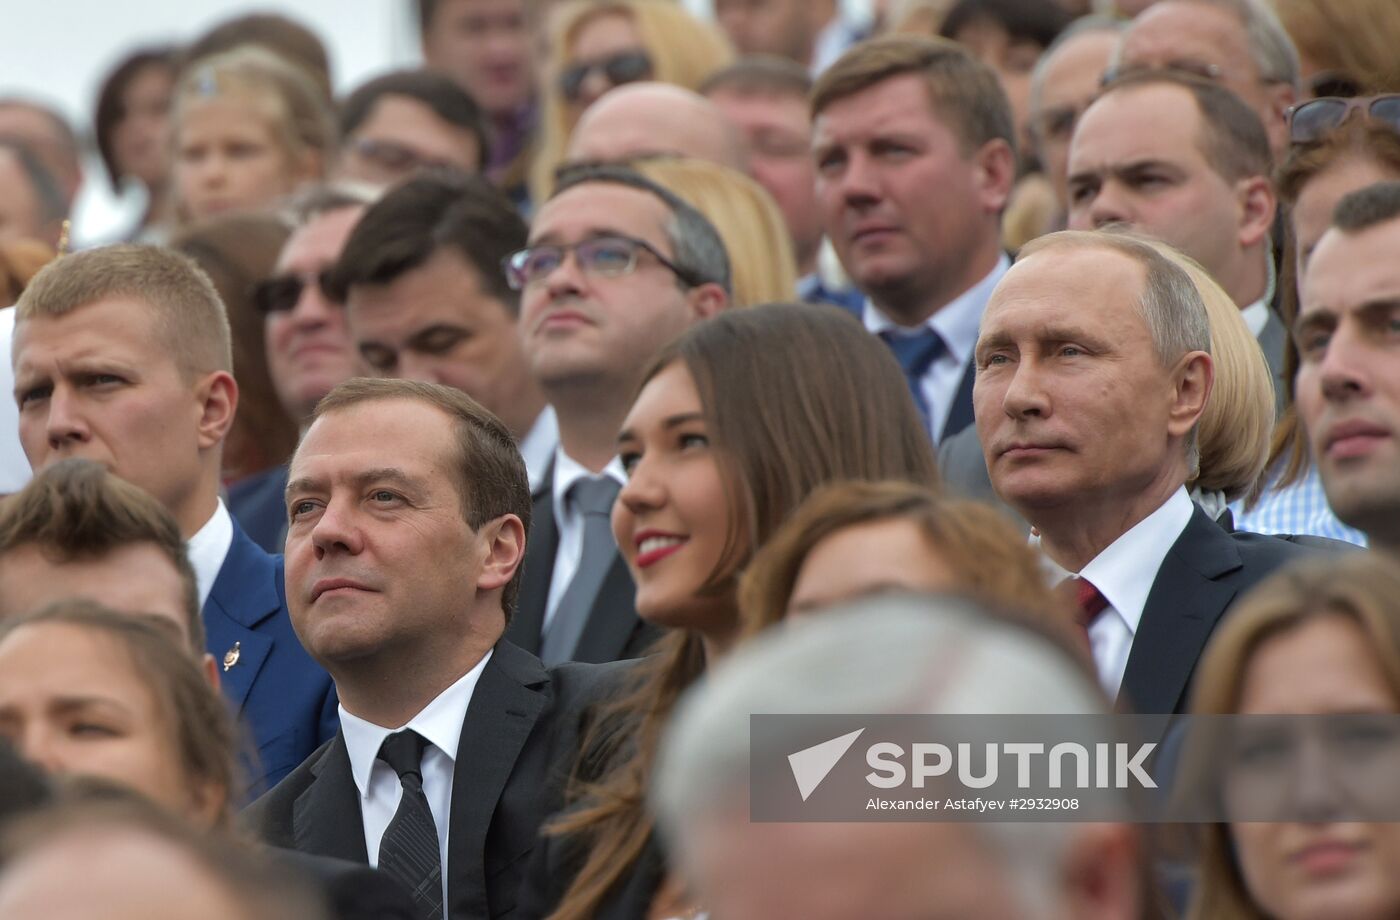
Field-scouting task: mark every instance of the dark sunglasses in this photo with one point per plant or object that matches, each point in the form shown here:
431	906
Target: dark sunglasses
280	294
1311	121
627	67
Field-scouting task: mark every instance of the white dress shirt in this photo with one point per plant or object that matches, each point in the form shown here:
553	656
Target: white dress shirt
569	522
1124	573
440	722
538	446
208	548
1256	316
957	323
14	468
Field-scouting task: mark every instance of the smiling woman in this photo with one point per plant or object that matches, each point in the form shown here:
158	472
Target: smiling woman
712	472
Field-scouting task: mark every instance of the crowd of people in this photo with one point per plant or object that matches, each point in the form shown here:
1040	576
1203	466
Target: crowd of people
407	516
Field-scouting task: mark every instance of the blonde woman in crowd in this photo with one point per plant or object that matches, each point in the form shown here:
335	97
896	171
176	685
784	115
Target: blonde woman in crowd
595	45
747	218
248	128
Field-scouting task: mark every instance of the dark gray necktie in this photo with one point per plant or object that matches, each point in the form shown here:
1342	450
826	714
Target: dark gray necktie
409	849
592	497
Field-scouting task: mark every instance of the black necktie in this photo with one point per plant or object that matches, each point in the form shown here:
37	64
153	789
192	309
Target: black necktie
916	354
409	849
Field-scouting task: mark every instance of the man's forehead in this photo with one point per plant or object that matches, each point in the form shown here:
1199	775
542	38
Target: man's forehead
393	427
592	208
1351	268
1111	129
1177	28
322	237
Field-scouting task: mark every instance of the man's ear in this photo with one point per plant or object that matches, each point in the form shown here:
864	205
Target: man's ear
1281	98
1101	875
1191	384
210	667
996	174
217	395
707	299
505	551
1258	204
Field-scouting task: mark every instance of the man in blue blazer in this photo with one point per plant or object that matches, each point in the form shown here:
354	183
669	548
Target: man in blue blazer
1093	368
122	356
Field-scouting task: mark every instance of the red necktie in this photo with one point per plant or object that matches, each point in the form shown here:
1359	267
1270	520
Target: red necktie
1091	604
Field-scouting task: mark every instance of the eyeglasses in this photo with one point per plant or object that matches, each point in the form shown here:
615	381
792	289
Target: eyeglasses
397	158
280	294
1187	66
626	67
1311	121
605	256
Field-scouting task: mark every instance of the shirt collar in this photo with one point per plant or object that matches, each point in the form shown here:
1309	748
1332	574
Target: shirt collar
208	548
568	471
1125	571
537	447
440	722
956	322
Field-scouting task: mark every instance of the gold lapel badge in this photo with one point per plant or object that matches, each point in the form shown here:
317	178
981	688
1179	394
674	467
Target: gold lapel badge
231	656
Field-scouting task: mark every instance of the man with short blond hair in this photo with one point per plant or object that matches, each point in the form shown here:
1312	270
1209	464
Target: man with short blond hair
894	119
121	356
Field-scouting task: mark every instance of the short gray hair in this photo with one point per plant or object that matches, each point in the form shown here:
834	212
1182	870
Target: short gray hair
1170	303
1270	47
1082	26
883	655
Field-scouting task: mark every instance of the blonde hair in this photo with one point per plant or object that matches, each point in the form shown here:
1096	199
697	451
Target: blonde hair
684	51
1364	587
190	317
1356	38
284	94
1237	423
762	265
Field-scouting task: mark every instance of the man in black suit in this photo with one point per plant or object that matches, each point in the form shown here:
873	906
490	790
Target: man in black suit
409	507
896	120
615	268
1093	368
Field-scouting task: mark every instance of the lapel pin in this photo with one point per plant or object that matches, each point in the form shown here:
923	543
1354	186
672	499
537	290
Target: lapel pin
231	656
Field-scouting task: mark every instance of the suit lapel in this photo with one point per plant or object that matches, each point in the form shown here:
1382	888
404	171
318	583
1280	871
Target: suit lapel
506	703
243	595
326	818
541	545
612	619
960	412
1188	597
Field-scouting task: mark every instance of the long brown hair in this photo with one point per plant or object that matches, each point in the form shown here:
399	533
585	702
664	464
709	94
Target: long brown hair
992	561
795	397
1364	588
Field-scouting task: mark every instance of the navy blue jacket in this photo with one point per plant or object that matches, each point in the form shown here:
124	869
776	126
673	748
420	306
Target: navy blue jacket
285	698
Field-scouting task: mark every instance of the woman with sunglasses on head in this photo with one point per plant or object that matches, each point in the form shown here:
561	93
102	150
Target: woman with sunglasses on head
1318	639
595	45
713	470
1338	146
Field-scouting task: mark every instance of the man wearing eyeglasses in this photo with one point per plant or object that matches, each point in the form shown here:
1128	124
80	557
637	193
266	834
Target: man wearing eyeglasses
616	266
122	357
1065	80
406	121
308	345
1239	44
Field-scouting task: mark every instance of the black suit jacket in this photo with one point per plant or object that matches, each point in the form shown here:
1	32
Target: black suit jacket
520	737
556	862
1205	571
613	630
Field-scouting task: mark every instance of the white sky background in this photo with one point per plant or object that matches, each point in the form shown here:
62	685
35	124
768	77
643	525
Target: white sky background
60	50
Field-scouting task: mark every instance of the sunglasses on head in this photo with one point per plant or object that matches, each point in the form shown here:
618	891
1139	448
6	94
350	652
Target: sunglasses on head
280	294
626	67
1311	121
